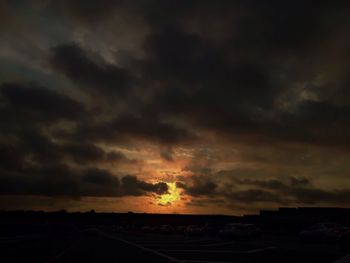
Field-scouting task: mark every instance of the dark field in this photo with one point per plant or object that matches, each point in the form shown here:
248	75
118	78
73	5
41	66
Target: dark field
91	237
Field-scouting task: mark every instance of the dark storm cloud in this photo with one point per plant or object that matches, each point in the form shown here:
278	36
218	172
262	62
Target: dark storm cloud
253	72
199	186
291	190
128	127
102	79
87	153
316	122
98	176
84	153
206	202
89	11
232	86
275	184
32	103
133	186
49	180
61	180
253	196
41	148
150	128
314	196
10	157
167	155
33	162
115	156
106	80
28	112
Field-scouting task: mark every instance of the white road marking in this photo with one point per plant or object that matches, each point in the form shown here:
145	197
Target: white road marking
217	251
141	247
60	254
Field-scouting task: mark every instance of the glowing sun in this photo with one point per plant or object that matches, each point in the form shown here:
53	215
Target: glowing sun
171	197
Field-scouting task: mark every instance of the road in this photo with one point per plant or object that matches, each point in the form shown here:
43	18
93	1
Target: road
95	245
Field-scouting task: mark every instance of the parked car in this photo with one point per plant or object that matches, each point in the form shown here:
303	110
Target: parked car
344	240
192	230
210	229
345	259
323	232
238	230
146	229
167	229
180	229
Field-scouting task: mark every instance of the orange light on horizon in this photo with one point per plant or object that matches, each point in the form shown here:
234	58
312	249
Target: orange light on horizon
171	197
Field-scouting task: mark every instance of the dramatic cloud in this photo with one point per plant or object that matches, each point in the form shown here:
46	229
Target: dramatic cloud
132	186
239	103
199	186
37	104
292	190
60	180
105	80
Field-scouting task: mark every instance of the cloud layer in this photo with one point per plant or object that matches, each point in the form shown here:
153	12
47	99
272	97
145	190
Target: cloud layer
240	101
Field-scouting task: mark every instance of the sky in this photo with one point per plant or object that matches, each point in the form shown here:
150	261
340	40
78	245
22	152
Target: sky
203	107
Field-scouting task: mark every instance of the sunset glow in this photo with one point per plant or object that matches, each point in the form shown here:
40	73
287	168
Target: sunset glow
172	197
174	106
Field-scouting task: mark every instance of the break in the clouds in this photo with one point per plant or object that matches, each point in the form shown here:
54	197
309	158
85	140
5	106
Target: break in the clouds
189	106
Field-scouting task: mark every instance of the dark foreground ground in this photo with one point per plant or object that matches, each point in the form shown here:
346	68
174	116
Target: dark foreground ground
97	240
95	246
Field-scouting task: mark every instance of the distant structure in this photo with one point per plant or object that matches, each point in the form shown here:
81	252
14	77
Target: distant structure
299	218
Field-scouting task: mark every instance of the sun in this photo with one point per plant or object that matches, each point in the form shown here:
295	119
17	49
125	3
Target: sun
171	197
